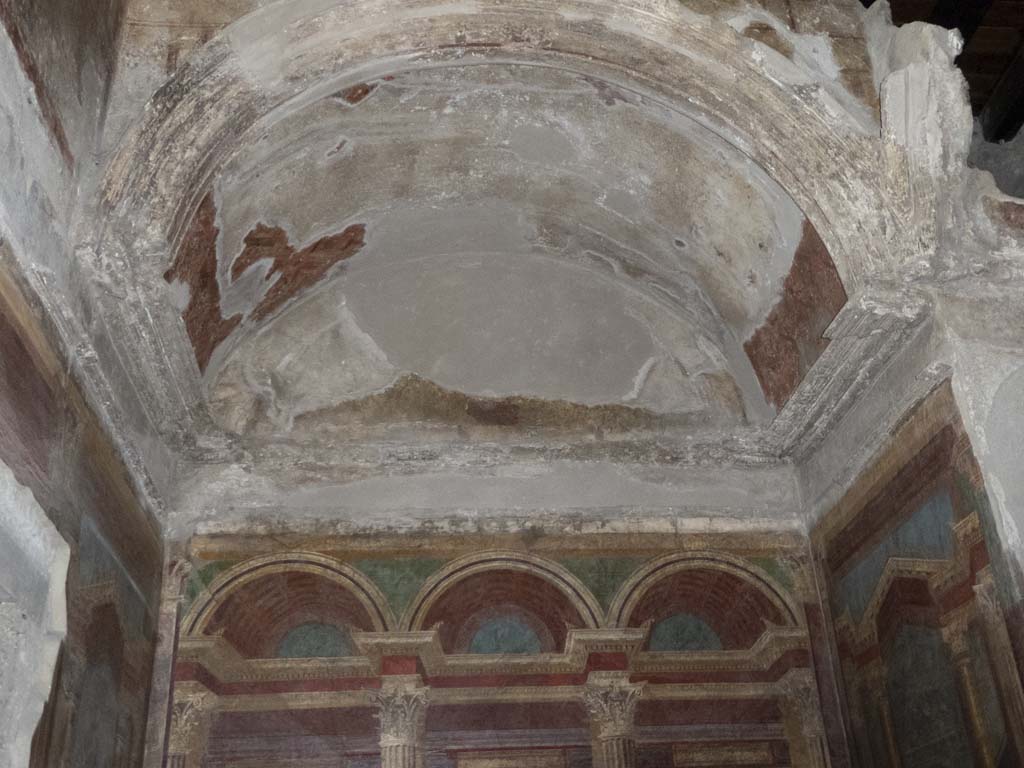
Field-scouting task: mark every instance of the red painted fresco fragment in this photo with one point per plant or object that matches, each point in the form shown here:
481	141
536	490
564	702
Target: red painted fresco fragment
44	99
790	340
1007	212
29	410
291	270
356	93
196	266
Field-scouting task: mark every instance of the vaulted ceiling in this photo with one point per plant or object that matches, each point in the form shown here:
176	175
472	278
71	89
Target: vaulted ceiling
378	259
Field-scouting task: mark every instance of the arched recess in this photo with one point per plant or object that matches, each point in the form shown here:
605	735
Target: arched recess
535	599
292	52
723	601
258	604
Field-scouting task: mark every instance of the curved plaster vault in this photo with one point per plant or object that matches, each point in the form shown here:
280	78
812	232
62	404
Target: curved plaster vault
419	251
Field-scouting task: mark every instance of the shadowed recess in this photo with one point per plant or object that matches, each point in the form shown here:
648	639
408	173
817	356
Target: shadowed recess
258	617
505	634
683	632
471	604
313	640
736	611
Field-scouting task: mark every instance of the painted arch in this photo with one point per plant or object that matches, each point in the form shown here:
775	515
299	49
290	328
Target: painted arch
274	605
702	601
503	602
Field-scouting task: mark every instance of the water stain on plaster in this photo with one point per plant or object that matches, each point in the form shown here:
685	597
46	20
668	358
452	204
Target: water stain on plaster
765	33
791	339
196	265
295	270
415	399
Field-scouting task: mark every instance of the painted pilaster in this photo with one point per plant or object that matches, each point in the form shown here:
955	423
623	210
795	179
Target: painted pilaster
874	680
954	633
801	719
191	720
1000	649
402	711
611	702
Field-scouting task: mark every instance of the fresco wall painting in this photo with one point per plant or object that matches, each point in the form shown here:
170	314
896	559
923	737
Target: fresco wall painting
928	668
496	657
54	444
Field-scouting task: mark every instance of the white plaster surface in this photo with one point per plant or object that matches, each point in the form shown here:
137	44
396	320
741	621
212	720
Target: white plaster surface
33	615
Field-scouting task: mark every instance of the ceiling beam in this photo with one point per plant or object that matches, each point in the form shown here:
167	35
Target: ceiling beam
1003	114
965	15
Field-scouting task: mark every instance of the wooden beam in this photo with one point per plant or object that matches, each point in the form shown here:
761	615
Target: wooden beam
965	15
1003	114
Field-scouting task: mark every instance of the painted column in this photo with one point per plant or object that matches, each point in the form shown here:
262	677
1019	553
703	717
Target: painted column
1000	650
955	635
611	702
402	713
801	719
874	679
191	719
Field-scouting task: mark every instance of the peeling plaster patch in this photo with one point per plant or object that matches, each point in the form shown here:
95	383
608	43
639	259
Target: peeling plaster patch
289	272
809	57
640	380
195	266
332	355
293	271
784	348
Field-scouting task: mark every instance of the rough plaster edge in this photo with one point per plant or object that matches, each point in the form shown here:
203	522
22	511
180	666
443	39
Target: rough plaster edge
81	361
876	442
28	531
532	522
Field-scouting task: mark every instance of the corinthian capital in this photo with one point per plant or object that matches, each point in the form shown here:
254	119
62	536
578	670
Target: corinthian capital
189	716
402	714
611	701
